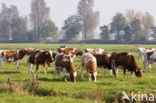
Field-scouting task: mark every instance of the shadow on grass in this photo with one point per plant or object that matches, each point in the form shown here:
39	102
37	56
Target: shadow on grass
9	72
50	80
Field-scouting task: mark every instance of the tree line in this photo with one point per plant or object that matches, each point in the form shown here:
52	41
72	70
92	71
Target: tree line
38	26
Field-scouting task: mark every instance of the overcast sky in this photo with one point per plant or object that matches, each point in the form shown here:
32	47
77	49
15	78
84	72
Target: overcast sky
62	9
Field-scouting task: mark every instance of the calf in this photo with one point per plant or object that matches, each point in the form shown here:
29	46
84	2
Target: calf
103	60
40	58
89	63
150	58
127	61
64	63
12	56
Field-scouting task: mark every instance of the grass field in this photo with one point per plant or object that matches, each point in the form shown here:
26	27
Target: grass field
107	89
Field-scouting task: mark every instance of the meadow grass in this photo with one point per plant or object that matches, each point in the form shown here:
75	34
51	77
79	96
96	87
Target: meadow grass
107	89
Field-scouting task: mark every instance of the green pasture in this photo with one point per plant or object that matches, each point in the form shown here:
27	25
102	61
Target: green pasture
106	90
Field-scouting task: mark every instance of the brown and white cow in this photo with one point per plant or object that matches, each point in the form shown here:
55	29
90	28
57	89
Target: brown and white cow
94	51
89	63
31	51
64	63
103	60
41	57
150	58
12	56
125	60
142	51
71	51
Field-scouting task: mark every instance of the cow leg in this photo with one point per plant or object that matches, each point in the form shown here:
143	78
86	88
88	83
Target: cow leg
44	68
144	64
30	67
1	63
65	77
110	71
60	74
116	72
27	59
48	66
17	64
104	71
132	74
124	73
149	67
82	73
37	66
55	70
89	76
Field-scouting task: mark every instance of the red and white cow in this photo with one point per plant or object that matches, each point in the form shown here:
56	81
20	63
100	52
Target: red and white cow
71	51
64	63
142	51
31	51
94	51
150	58
40	57
89	63
12	56
126	61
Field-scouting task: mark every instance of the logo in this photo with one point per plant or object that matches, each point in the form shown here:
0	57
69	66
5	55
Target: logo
138	97
125	96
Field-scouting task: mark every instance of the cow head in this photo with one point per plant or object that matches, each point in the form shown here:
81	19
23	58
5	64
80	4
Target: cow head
49	56
138	72
22	53
79	53
73	76
93	76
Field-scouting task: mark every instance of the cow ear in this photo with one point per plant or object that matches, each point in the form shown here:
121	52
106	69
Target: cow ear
77	72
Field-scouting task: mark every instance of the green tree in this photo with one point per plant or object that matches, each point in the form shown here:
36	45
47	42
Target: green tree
5	29
137	30
128	33
19	29
49	29
90	18
72	27
119	23
105	32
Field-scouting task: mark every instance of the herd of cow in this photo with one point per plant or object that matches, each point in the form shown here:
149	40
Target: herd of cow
90	60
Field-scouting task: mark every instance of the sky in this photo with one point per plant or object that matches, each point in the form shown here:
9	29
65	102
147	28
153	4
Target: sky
62	9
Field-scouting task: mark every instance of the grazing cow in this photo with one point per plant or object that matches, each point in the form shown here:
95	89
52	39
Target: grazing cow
89	63
12	56
64	63
93	51
127	61
41	58
150	58
103	60
141	52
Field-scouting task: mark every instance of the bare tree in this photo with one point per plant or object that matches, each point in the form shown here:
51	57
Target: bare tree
147	22
90	19
39	15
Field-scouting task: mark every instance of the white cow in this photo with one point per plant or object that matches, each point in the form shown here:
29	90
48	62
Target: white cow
150	58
